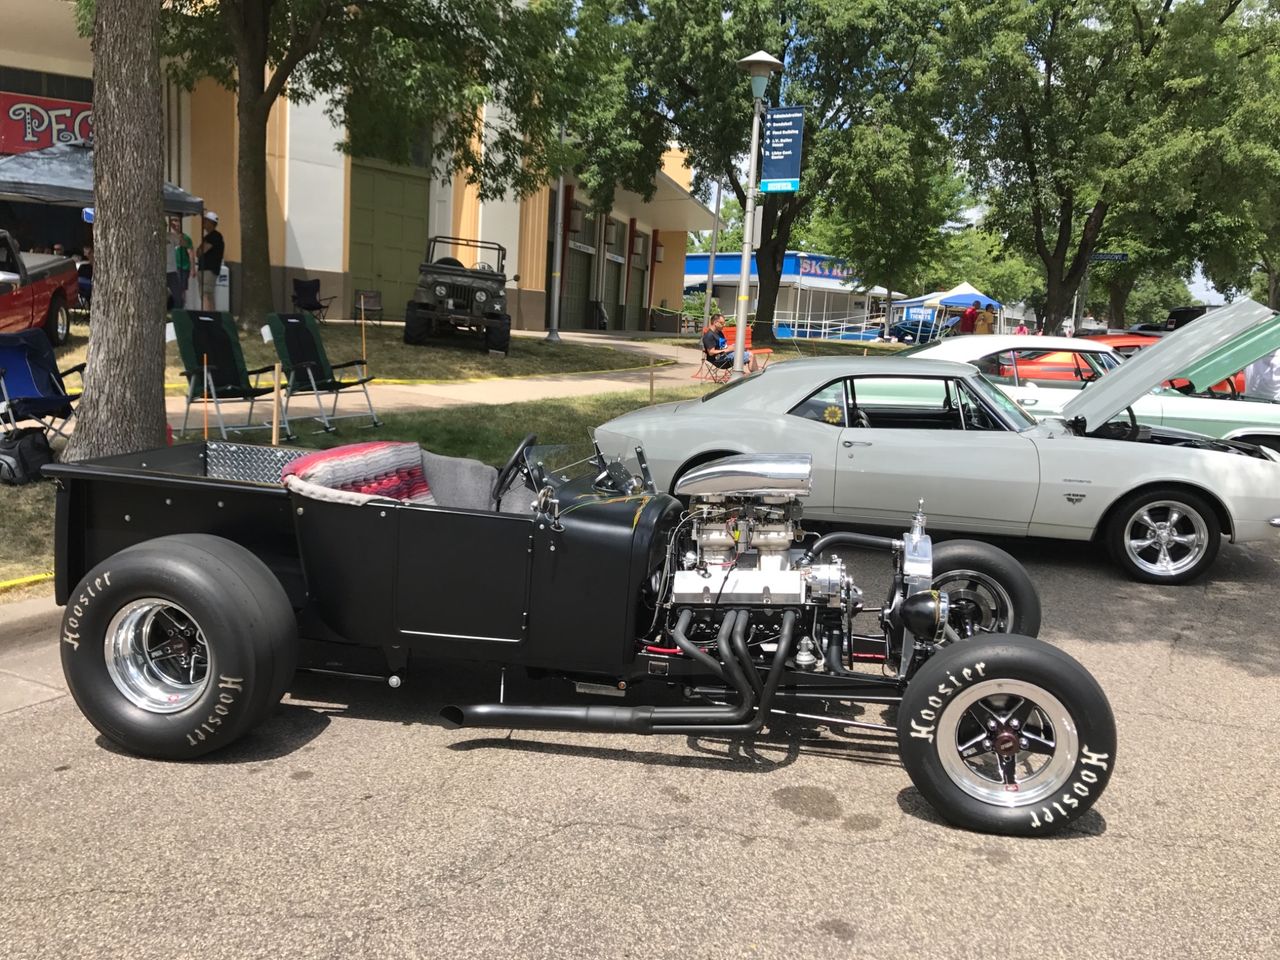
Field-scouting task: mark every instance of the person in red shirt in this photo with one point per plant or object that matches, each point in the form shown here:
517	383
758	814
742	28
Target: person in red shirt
969	319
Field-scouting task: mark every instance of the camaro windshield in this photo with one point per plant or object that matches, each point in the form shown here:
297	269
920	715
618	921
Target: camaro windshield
1014	413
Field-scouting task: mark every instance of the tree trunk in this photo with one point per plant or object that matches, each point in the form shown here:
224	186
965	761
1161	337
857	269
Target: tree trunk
256	299
1057	300
123	405
769	273
1118	299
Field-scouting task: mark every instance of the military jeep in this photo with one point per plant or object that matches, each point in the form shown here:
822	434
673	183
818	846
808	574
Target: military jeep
451	296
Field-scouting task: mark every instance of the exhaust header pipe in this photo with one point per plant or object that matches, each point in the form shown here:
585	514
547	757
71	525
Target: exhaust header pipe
648	719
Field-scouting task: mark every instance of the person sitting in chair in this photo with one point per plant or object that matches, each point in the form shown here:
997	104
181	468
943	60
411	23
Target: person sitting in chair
717	351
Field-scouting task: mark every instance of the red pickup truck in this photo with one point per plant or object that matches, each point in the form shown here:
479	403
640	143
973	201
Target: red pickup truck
35	290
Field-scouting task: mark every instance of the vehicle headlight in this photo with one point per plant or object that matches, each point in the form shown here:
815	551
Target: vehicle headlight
441	289
481	296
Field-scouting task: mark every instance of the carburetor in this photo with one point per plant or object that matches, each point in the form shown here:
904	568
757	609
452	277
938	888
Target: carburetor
745	513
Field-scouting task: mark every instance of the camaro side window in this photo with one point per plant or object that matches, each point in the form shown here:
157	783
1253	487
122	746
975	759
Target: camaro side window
825	406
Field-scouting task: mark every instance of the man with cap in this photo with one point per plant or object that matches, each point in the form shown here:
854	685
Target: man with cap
210	254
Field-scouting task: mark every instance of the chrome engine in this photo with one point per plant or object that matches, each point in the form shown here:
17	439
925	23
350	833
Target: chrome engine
745	514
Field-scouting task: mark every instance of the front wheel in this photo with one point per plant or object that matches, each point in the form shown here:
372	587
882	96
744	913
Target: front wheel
1007	735
57	324
988	590
1165	535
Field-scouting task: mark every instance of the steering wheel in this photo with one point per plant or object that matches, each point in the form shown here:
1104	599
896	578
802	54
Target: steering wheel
506	476
484	267
860	418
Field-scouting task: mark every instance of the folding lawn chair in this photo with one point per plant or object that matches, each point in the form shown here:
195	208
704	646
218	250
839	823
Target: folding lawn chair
213	364
368	305
306	296
709	372
307	368
31	385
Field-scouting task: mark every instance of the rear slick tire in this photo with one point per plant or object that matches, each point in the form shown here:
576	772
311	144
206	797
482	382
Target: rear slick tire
1007	735
178	646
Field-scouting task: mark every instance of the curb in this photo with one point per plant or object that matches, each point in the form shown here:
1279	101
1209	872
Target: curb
24	581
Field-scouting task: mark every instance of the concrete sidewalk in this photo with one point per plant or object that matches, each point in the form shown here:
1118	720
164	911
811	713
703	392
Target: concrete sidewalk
679	365
29	674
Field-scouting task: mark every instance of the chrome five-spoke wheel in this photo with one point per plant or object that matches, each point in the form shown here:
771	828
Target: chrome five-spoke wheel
1008	743
1165	538
157	655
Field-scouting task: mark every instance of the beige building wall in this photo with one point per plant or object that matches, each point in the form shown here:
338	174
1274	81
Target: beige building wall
213	159
668	276
673	165
529	308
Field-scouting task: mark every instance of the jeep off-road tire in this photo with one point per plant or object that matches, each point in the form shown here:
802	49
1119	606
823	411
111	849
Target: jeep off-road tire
988	589
57	322
1180	530
176	647
1007	735
497	335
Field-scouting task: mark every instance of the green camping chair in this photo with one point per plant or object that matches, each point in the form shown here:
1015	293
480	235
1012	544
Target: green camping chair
307	368
213	364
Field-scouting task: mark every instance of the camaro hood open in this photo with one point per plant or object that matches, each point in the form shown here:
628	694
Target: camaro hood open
1204	352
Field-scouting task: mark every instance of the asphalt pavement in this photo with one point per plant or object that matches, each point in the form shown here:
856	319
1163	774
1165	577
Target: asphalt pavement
352	824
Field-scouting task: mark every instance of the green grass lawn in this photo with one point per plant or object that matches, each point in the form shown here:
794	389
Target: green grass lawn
458	357
487	433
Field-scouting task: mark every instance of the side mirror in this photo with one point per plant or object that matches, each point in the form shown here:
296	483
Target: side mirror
515	278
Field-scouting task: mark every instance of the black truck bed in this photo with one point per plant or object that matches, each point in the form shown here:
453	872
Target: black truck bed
232	490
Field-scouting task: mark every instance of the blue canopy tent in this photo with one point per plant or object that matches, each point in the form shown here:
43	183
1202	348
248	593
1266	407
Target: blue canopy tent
930	316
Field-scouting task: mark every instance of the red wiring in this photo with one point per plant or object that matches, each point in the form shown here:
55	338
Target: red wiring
667	650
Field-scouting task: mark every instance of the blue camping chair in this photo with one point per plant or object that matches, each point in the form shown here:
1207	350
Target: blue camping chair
31	385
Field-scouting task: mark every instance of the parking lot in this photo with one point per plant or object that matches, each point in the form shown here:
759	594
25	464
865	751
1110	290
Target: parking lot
353	825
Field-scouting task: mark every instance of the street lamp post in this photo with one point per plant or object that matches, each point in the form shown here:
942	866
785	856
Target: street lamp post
557	258
760	66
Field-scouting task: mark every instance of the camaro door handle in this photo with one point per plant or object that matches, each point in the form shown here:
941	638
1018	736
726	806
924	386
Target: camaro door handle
856	443
1029	403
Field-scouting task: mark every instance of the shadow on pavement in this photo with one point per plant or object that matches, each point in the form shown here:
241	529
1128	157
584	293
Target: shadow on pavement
1090	824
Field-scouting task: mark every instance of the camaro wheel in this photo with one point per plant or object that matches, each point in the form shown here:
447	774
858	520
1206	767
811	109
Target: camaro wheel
177	646
989	591
1164	536
1007	735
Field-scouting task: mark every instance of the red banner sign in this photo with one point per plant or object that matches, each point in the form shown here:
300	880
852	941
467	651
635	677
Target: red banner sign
32	123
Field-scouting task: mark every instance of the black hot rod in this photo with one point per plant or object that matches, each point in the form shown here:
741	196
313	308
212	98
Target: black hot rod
196	580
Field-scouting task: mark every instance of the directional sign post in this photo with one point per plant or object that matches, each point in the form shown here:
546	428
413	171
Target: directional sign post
783	135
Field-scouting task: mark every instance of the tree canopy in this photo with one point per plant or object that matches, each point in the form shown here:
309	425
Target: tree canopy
1066	111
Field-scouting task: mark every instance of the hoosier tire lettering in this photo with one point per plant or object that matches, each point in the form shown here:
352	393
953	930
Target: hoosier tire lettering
1085	784
227	688
89	590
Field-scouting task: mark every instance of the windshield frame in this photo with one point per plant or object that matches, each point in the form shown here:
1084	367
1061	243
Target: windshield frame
1008	409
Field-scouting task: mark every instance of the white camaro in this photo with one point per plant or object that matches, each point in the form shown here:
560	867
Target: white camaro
1044	373
885	432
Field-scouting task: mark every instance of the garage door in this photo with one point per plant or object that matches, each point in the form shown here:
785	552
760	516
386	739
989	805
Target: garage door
388	230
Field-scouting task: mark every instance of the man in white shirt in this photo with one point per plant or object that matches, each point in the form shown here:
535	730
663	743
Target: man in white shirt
1262	377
